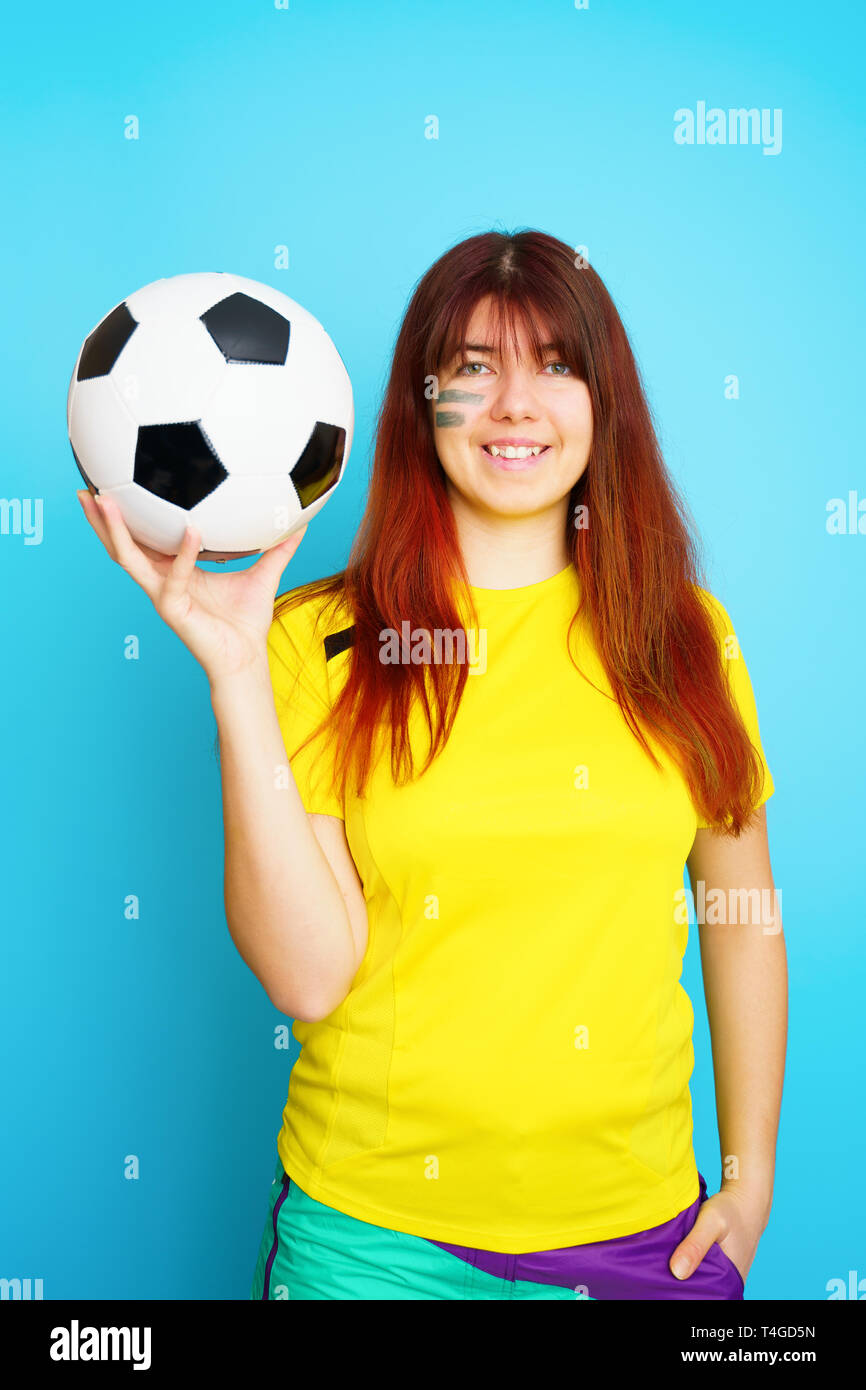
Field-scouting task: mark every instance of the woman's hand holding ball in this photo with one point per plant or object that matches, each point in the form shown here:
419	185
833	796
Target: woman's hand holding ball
222	618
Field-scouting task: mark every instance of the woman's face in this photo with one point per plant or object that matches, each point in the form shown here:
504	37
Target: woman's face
489	401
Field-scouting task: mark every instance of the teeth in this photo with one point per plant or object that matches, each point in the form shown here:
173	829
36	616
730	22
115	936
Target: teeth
512	452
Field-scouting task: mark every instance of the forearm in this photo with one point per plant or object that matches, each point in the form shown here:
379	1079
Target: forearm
746	989
284	908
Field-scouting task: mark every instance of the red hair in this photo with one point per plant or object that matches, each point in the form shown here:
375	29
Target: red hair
637	560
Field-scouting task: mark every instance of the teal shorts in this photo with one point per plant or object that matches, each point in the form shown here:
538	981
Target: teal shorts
312	1251
309	1250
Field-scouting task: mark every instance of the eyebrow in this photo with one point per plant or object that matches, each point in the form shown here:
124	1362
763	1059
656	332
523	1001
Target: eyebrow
485	347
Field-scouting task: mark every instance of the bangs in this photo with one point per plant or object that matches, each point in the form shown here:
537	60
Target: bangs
551	327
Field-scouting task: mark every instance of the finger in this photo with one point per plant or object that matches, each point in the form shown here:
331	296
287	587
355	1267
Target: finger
95	518
176	581
94	515
694	1246
125	551
271	565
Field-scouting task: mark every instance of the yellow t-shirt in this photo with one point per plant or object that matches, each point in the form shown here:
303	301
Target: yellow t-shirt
510	1068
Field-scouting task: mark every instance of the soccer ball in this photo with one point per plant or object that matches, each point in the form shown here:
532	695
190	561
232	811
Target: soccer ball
214	401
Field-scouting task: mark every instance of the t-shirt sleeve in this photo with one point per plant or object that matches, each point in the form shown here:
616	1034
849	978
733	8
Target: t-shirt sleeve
741	689
297	661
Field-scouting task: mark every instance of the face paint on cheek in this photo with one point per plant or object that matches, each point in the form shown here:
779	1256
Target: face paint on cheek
461	397
453	418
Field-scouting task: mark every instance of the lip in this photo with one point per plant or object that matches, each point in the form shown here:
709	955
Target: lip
514	465
516	442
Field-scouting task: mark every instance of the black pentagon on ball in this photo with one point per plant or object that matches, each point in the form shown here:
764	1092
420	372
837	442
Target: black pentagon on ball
318	468
177	462
105	344
246	330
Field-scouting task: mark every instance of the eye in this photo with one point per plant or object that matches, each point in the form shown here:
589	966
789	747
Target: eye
463	368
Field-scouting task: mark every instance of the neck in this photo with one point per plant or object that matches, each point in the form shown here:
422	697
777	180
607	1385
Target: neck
503	552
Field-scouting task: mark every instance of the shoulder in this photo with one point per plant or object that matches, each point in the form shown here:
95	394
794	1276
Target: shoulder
311	624
730	650
309	614
716	611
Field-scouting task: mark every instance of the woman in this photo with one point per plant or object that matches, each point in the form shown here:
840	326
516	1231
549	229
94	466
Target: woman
512	721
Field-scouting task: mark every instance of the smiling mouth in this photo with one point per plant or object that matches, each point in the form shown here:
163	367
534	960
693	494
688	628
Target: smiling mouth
514	460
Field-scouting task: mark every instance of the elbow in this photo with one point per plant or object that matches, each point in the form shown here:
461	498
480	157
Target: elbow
315	1000
304	1010
293	1008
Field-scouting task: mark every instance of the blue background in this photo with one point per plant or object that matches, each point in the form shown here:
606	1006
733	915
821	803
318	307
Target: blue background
305	127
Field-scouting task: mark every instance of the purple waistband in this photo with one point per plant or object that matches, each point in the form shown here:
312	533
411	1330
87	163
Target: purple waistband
626	1267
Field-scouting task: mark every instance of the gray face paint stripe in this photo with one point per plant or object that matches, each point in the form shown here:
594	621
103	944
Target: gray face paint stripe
449	417
458	397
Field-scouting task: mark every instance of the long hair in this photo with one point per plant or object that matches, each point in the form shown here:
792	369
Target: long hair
637	559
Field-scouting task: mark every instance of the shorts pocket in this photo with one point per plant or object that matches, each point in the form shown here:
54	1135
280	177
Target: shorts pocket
729	1262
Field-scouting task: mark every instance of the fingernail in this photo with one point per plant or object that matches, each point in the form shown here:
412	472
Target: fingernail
681	1267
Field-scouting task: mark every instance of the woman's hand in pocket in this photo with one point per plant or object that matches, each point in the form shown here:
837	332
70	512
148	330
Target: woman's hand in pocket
731	1218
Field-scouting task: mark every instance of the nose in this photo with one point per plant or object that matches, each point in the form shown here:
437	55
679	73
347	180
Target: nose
514	396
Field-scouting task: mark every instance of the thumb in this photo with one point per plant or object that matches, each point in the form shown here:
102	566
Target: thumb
707	1229
274	561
